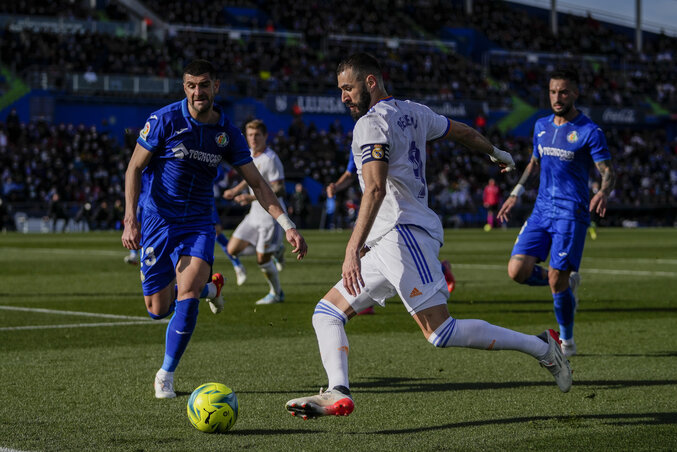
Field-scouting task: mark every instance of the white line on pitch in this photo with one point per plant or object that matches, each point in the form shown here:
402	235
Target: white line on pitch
65	251
78	313
80	325
583	270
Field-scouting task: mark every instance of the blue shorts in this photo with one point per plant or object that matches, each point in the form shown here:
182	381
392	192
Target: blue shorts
162	244
563	239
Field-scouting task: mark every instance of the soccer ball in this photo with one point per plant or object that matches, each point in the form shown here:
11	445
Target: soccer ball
212	408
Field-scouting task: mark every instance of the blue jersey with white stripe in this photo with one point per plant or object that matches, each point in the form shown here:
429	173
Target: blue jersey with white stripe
186	154
566	154
352	168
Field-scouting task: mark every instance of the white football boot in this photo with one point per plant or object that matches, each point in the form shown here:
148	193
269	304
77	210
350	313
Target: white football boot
164	386
335	402
555	361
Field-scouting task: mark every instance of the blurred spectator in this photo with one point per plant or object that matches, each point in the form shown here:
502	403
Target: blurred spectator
298	206
83	219
103	216
6	222
490	200
56	212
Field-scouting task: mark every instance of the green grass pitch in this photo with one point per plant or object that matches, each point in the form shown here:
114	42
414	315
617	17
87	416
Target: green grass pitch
78	354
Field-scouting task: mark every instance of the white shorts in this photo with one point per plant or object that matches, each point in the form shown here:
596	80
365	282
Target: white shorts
404	262
266	236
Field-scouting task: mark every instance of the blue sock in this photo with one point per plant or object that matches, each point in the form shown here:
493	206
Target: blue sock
179	331
536	278
564	313
162	316
223	241
134	253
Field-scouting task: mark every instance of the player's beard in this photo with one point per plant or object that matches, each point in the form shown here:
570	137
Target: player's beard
564	111
205	107
362	105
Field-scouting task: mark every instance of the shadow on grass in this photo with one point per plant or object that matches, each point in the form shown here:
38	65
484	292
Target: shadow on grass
629	355
615	418
394	384
274	432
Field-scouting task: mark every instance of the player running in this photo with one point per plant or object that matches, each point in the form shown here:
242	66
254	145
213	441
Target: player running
566	144
258	229
404	237
178	151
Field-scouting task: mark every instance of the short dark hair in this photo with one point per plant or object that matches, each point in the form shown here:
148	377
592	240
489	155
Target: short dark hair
362	64
199	67
565	73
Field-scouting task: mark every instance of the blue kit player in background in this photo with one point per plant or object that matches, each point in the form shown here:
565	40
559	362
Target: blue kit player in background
221	182
178	152
566	144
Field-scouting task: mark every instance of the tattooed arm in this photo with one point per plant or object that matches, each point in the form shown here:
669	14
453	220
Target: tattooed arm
598	202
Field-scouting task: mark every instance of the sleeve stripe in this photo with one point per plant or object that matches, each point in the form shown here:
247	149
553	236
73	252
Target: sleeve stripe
378	152
446	132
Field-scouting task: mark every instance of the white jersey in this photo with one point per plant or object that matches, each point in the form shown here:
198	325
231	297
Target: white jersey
396	132
270	167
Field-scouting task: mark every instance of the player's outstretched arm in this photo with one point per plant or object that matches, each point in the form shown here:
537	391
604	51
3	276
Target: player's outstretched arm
265	196
532	168
475	141
131	235
598	202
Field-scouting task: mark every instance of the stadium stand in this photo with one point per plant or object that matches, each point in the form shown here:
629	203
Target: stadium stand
421	60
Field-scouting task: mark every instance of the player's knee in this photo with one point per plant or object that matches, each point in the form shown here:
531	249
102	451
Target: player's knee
518	272
558	280
326	313
158	316
442	335
156	313
263	259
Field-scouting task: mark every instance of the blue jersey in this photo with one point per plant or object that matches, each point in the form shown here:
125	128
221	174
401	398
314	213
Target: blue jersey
186	153
352	168
566	155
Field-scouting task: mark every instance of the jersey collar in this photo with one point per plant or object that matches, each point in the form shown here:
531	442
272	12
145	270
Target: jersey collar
191	120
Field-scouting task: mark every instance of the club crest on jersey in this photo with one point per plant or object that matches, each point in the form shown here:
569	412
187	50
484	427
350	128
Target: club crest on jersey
221	139
145	130
379	152
572	137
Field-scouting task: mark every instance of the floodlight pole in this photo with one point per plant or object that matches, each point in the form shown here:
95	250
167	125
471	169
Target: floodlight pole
638	25
553	17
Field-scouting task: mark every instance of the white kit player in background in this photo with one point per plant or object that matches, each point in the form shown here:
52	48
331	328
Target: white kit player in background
258	230
394	247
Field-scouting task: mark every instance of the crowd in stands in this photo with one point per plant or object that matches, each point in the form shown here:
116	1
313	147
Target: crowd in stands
84	168
107	10
88	165
612	72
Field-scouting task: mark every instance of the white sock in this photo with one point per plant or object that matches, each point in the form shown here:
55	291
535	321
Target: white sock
211	290
271	274
329	321
479	334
